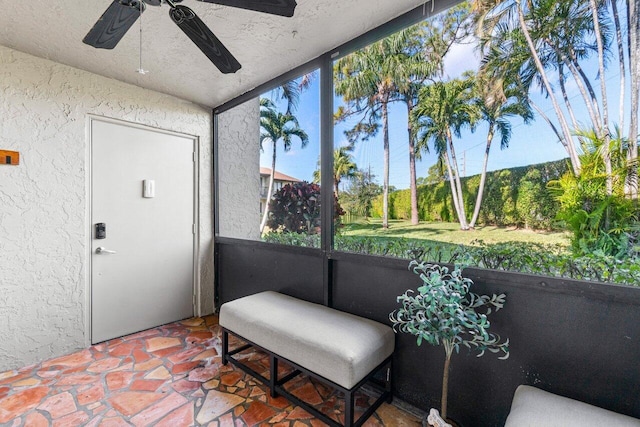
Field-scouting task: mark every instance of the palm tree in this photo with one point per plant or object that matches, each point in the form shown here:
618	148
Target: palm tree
497	101
510	24
275	127
559	35
343	167
426	46
291	90
443	110
633	21
368	80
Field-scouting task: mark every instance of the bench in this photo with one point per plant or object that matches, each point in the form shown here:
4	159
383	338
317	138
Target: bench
342	350
532	407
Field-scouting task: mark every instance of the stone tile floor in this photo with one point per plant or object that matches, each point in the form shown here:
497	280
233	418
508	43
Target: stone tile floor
167	376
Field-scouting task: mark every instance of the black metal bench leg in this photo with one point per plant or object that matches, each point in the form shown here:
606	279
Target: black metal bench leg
225	347
348	408
273	375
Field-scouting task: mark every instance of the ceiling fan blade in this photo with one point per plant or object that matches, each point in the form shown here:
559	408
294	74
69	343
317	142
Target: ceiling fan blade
202	36
275	7
114	23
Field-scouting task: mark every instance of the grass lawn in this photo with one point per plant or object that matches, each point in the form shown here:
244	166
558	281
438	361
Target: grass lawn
450	232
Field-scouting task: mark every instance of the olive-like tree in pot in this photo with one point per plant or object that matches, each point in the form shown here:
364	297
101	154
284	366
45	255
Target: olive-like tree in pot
445	312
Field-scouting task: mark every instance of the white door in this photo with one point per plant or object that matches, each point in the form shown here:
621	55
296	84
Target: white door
142	271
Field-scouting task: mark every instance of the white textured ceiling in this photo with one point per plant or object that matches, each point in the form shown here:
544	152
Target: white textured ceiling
265	45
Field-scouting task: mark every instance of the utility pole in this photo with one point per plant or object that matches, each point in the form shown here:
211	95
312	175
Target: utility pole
464	163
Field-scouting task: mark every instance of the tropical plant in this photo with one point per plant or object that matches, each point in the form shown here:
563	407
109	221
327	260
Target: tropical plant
540	37
291	90
276	127
593	205
498	100
512	39
443	110
296	208
445	312
426	46
343	167
368	82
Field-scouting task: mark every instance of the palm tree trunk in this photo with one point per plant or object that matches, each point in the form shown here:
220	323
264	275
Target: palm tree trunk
587	83
569	144
548	120
454	160
385	185
584	86
588	95
483	177
623	71
445	380
601	68
631	183
452	184
412	167
606	152
265	215
567	103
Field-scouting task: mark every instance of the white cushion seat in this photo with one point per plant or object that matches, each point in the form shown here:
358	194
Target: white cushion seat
532	407
338	346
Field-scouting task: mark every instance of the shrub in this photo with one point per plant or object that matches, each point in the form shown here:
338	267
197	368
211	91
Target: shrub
601	219
293	239
296	208
530	258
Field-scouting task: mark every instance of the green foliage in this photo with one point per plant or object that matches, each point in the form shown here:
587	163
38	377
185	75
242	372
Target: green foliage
535	206
296	209
343	167
445	311
293	239
513	197
528	258
359	196
593	205
435	174
500	201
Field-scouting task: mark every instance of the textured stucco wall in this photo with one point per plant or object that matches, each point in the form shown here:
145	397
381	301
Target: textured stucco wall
239	171
44	221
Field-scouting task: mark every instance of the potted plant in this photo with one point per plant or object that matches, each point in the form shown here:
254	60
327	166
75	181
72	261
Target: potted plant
445	312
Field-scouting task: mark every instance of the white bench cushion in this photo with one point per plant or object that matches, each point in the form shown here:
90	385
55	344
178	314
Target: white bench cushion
338	346
532	407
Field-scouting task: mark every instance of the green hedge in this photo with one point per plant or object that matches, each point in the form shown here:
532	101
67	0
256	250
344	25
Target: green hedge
512	197
530	258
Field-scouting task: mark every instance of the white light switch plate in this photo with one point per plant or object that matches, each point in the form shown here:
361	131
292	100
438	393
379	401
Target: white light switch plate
149	188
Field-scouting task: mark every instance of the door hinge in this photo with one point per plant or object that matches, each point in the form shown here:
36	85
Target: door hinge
194	157
193	228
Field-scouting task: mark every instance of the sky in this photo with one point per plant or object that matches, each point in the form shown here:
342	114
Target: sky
529	144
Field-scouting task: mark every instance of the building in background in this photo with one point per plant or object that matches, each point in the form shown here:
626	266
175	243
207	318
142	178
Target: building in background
279	181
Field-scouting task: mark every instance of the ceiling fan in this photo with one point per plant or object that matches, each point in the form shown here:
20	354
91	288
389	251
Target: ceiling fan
122	14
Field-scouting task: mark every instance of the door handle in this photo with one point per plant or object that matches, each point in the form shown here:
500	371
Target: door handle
102	250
